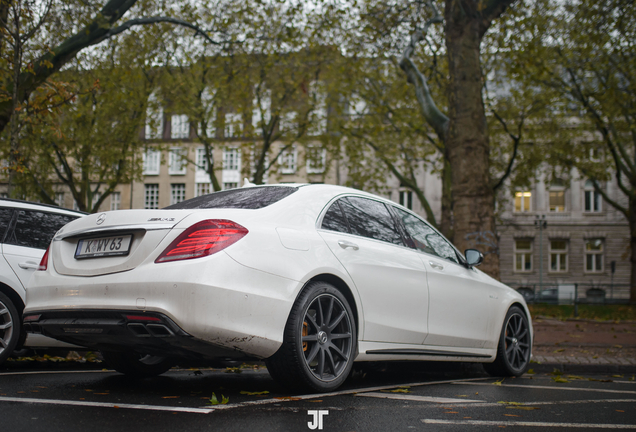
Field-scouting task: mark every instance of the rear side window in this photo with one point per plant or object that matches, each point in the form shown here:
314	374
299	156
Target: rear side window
247	198
334	219
5	218
36	229
369	218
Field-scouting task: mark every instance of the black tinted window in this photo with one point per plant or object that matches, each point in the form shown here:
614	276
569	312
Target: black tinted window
247	198
425	238
371	219
5	218
334	220
36	229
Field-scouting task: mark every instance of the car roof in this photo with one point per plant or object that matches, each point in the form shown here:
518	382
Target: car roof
21	204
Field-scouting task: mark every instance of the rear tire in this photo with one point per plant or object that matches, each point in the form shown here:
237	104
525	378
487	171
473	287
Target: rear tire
515	346
10	327
319	343
137	365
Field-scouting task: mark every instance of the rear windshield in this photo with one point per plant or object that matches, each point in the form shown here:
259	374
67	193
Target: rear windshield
248	198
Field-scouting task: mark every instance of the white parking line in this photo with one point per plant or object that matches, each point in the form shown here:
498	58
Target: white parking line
549	387
528	424
107	405
439	400
56	372
570	402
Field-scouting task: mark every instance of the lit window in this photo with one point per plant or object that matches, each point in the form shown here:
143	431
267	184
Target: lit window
151	196
177	193
115	201
180	127
523	255
288	161
316	158
406	199
594	255
522	201
592	198
558	255
557	196
152	160
177	161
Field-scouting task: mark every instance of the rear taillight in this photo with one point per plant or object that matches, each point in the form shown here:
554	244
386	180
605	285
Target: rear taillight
44	261
202	239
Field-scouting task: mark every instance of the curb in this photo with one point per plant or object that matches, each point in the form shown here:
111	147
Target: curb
584	368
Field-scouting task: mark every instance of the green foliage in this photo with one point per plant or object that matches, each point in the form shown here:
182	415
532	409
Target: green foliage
595	312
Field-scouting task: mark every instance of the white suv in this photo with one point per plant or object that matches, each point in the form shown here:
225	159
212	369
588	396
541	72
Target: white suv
26	229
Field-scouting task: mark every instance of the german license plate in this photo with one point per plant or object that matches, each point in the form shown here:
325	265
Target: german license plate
103	247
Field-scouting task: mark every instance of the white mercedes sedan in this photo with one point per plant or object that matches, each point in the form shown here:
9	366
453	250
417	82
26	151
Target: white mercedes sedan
309	278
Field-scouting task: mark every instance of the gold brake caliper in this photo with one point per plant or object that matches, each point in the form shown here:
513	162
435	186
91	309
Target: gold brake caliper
305	333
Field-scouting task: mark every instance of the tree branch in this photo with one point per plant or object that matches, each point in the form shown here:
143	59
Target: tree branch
154	20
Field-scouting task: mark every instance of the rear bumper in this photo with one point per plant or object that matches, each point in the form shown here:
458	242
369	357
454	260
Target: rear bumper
109	330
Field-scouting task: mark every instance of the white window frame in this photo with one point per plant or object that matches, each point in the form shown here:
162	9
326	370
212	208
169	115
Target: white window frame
555	189
177	163
230	185
560	255
593	197
524	254
311	168
594	253
59	199
115	201
201	160
154	119
233	125
288	161
202	189
524	199
152	161
405	197
231	159
179	126
177	193
151	196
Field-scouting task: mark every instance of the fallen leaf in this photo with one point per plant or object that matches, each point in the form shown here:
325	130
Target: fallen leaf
618	346
556	371
254	393
101	393
171	397
530	372
452	412
318	400
527	408
559	379
559	350
288	398
620	411
510	403
497	382
575	377
617	376
512	415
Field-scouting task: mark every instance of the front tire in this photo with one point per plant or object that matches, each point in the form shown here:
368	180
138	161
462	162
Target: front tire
10	326
137	365
515	346
319	343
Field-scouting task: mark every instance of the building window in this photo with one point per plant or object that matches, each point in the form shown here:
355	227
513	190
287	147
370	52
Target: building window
233	125
406	199
288	161
59	199
522	201
151	198
180	127
316	157
287	121
318	118
152	161
4	195
523	255
231	159
202	189
594	255
557	196
230	185
177	193
154	119
177	161
115	201
558	255
201	160
592	198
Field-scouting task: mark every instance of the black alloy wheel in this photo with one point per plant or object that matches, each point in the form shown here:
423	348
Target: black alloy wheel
515	346
319	343
9	327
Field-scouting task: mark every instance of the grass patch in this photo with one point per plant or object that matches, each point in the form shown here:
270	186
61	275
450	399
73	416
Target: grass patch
595	312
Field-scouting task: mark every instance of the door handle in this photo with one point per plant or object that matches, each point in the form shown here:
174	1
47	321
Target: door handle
345	244
436	265
29	265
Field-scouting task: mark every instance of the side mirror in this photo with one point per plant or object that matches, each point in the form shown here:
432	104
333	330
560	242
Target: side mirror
473	257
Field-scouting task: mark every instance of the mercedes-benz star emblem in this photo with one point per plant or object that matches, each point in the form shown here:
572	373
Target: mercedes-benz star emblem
100	219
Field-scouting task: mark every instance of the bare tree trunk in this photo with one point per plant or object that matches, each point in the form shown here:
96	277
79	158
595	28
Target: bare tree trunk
467	140
632	230
446	225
